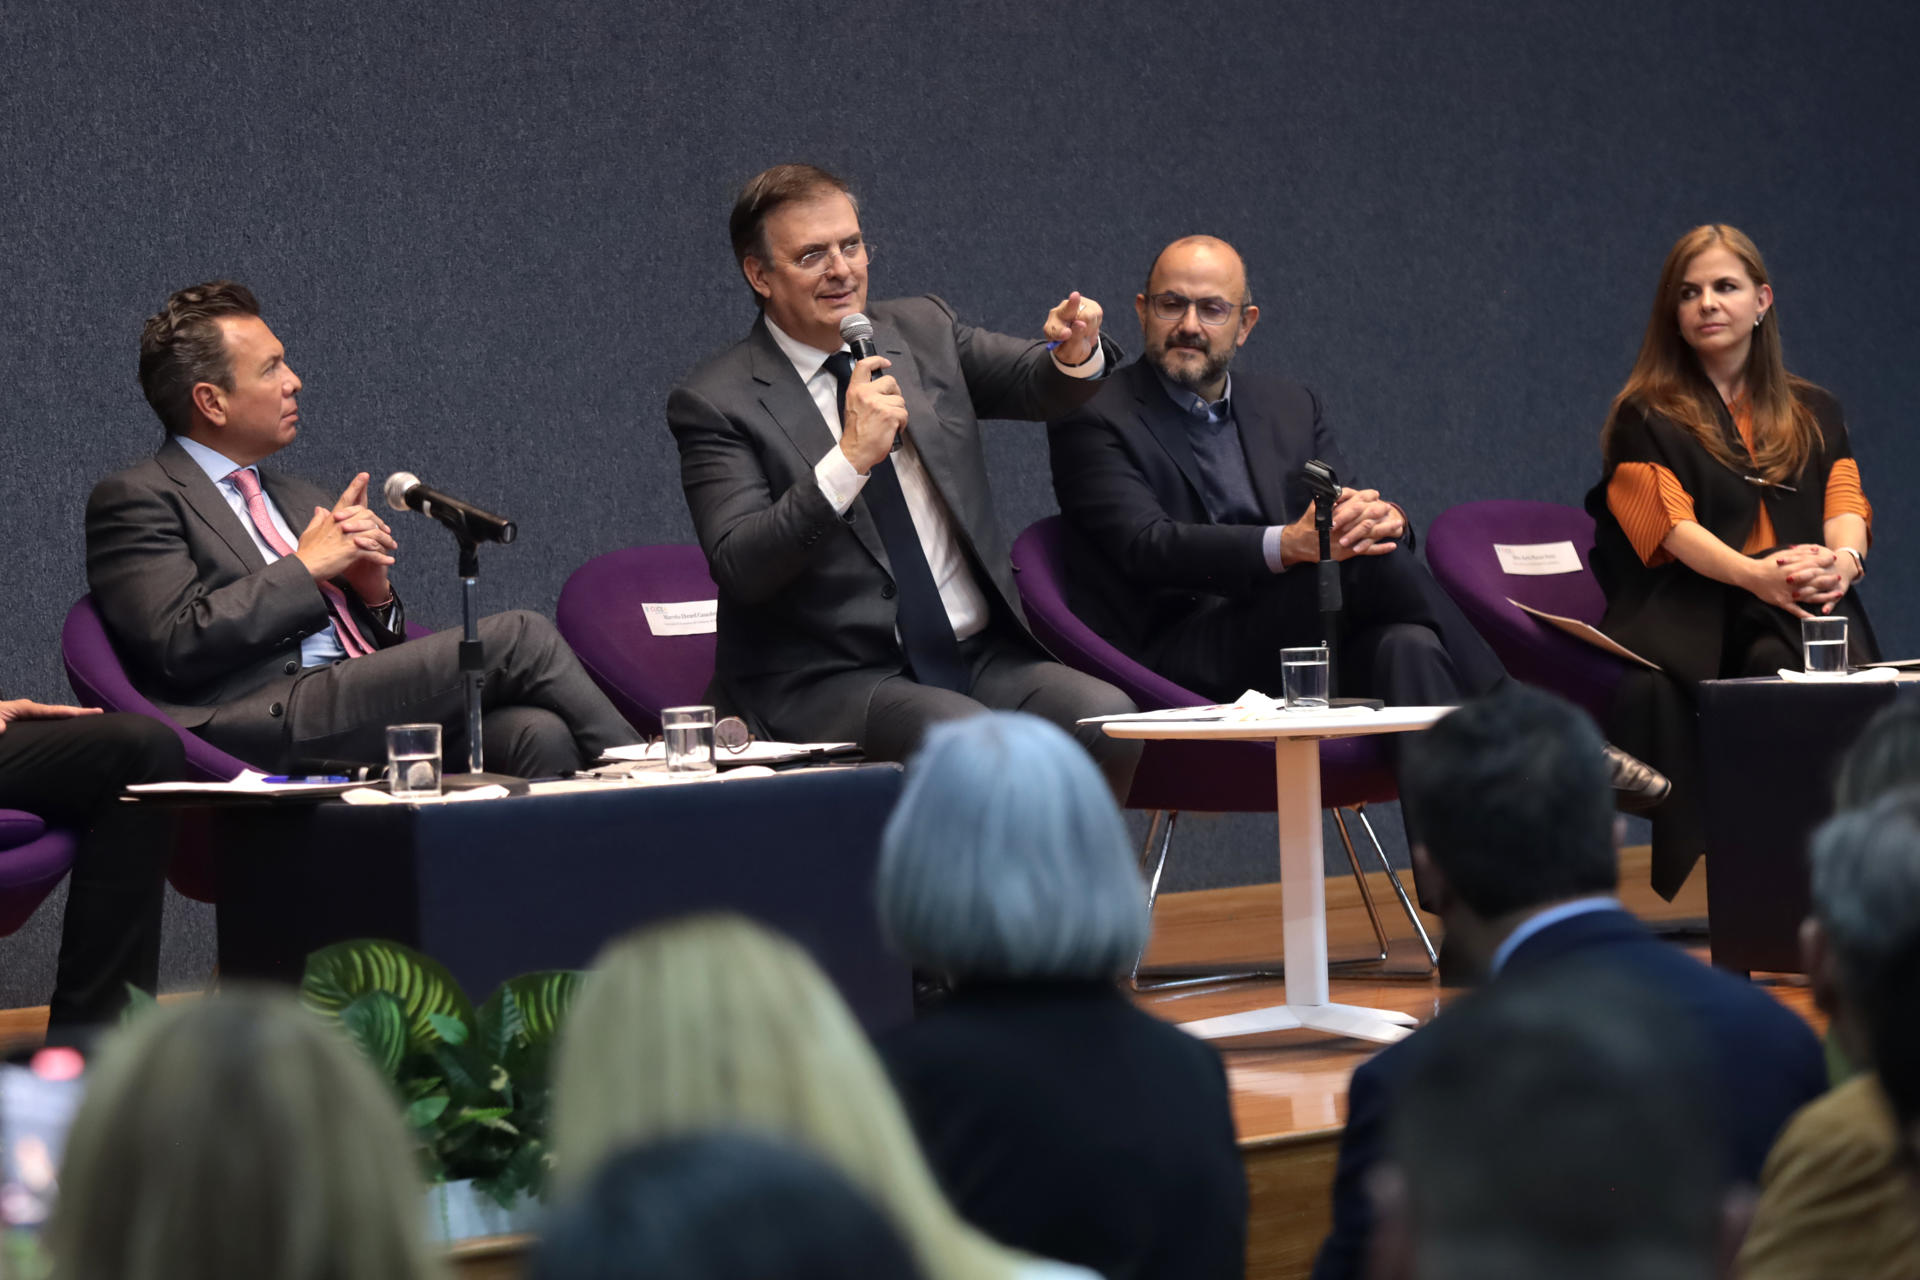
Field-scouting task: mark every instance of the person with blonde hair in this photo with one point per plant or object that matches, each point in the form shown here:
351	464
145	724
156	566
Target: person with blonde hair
238	1137
714	1022
1730	508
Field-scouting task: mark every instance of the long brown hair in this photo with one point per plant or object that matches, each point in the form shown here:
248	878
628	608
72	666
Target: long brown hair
1667	378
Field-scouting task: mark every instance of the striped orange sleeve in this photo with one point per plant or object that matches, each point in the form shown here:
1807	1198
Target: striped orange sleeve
1844	494
1648	500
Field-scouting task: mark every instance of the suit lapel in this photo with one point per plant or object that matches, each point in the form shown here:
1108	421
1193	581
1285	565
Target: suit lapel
792	409
929	435
1266	461
1168	425
207	503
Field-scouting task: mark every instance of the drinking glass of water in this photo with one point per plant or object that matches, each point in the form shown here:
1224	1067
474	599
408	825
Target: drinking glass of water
1823	645
689	733
1304	678
413	760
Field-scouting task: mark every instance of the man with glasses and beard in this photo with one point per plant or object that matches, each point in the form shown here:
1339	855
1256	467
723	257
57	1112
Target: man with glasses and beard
866	588
1191	524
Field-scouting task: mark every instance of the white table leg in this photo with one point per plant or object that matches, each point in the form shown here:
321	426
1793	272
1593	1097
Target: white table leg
1303	888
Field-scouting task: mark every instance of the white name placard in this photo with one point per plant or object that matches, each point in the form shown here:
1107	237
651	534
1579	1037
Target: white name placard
690	618
1536	558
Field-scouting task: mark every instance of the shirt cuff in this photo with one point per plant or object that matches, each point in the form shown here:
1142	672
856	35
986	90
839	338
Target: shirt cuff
839	483
1092	367
1270	548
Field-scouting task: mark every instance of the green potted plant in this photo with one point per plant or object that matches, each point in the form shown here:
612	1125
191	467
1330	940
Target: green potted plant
475	1082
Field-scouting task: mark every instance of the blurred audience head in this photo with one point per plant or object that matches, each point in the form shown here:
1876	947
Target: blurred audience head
1509	807
719	1206
1866	903
1884	757
714	1022
1892	1034
1005	858
1555	1125
237	1137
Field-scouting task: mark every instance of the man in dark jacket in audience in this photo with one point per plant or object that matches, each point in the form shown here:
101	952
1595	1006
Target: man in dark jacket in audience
1510	801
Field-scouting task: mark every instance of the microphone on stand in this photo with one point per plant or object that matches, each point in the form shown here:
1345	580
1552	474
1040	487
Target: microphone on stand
857	332
404	492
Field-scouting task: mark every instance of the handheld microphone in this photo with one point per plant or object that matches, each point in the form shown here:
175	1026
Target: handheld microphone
857	332
404	492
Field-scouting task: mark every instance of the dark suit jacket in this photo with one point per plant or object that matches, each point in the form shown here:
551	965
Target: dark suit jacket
202	621
1066	1122
1764	1060
807	611
1142	551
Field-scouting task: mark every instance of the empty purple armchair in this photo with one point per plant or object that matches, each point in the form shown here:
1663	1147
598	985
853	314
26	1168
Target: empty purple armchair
1205	777
1460	553
32	860
601	615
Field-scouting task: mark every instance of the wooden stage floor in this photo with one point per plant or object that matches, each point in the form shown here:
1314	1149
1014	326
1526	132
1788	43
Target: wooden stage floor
1290	1088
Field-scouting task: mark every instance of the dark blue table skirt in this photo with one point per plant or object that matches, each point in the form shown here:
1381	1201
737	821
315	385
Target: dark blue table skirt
1769	751
499	887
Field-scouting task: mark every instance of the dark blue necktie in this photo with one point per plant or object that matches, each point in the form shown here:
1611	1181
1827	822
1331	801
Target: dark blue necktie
925	631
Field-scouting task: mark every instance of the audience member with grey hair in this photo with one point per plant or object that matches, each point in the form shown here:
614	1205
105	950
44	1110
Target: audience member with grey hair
1835	1196
1614	1173
1061	1119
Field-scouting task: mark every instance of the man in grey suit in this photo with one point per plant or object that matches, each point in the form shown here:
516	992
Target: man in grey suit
256	610
866	593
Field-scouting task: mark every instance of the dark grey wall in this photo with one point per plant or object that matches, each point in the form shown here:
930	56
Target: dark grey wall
491	235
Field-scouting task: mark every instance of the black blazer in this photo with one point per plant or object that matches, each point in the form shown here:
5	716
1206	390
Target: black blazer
807	611
201	620
1764	1060
1142	551
1066	1122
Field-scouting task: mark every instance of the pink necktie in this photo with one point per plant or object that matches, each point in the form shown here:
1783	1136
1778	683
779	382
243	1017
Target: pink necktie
249	485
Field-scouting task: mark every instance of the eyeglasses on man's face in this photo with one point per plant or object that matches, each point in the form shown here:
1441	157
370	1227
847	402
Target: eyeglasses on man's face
854	252
1213	311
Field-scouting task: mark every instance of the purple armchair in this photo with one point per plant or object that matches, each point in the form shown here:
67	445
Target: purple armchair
1460	553
99	679
32	860
600	615
1207	777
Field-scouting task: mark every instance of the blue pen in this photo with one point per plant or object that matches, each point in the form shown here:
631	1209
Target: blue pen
284	778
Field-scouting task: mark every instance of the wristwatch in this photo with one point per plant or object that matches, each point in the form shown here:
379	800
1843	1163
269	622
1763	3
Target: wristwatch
1859	561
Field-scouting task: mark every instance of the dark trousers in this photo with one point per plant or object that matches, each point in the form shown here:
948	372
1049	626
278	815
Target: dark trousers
69	773
542	714
1008	674
1401	638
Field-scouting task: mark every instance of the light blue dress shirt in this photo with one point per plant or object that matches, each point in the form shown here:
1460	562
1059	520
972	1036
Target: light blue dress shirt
323	646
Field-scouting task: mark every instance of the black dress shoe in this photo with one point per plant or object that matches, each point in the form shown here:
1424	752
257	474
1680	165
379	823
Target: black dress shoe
1637	785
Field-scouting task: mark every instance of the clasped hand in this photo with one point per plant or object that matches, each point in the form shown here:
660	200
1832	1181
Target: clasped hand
1803	575
349	542
1364	524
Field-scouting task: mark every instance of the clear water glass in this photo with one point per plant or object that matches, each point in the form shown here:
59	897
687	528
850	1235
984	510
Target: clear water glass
1304	678
413	760
1823	645
689	739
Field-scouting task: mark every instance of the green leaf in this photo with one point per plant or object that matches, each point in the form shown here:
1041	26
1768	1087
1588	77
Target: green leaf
543	999
460	1075
424	1112
450	1029
339	974
378	1024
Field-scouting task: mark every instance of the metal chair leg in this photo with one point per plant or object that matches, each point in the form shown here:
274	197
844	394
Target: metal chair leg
1360	879
1399	890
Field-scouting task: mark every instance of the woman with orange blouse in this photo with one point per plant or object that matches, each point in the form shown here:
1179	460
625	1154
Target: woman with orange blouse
1730	508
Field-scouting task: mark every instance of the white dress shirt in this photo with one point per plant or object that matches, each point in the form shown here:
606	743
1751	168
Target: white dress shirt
965	603
323	646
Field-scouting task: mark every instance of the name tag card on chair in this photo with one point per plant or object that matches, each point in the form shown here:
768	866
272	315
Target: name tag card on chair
690	618
1537	558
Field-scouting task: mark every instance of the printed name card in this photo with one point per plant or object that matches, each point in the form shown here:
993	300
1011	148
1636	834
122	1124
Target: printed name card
1535	559
691	618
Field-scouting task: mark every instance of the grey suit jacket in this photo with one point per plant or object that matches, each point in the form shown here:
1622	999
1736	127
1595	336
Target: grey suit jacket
807	610
203	623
